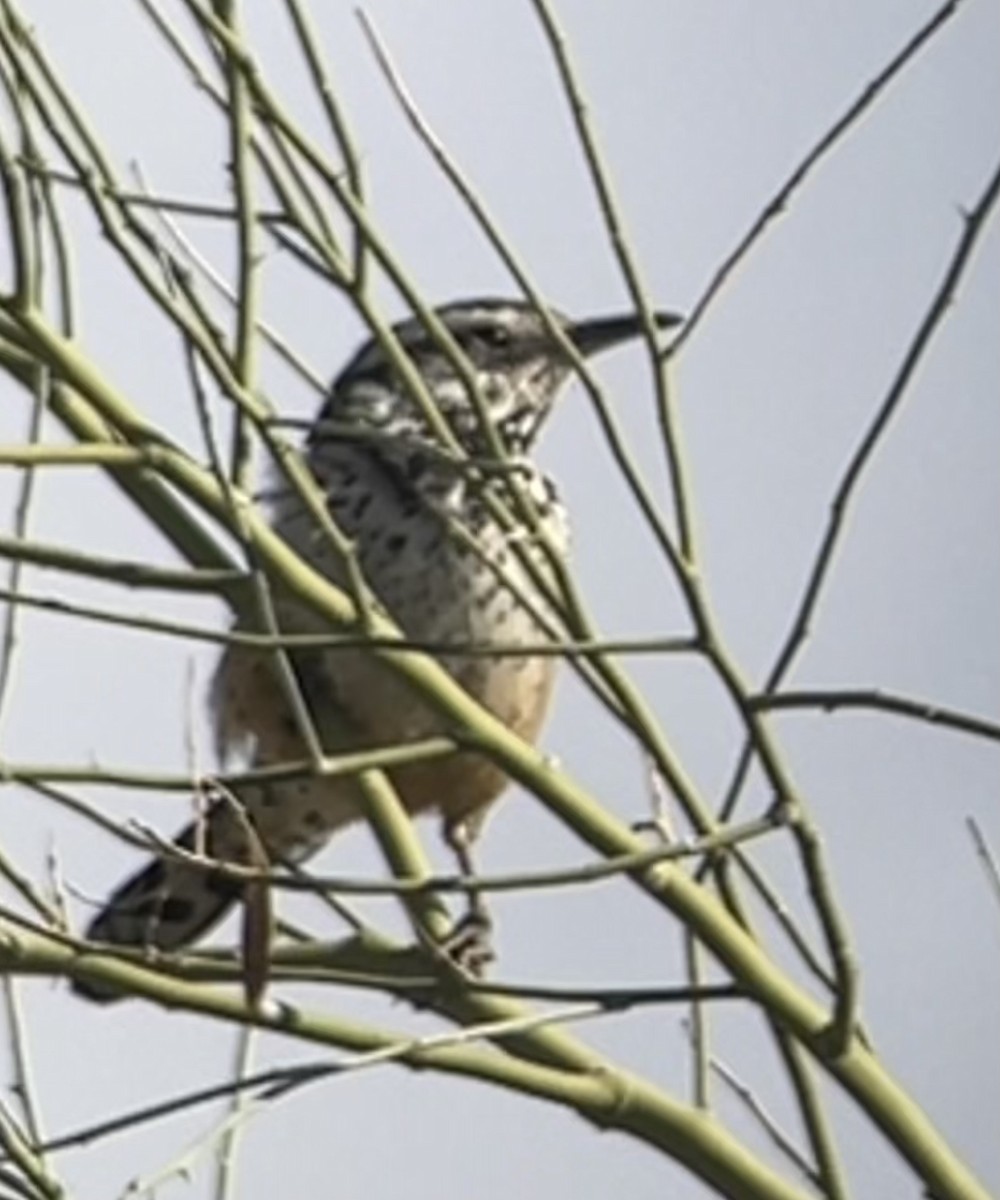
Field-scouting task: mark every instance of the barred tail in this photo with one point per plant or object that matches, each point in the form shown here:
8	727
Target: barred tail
166	906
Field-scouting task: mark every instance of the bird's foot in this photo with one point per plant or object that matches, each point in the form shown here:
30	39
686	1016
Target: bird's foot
469	945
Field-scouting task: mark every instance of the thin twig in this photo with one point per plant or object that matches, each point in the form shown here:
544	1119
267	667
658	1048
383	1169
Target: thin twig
877	700
588	873
985	855
769	1123
829	1172
190	253
225	1178
23	1084
681	557
830	139
140	575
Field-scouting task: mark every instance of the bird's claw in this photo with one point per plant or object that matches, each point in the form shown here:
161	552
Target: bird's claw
469	945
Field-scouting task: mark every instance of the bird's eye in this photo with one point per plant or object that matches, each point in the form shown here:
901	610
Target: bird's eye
495	335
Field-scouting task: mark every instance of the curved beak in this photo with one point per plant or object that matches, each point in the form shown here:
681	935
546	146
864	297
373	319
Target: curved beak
601	333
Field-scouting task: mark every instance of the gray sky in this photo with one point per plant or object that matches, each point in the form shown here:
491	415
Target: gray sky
702	111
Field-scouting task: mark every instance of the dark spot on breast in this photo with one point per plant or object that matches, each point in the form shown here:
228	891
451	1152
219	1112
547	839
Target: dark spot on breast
361	505
488	594
396	543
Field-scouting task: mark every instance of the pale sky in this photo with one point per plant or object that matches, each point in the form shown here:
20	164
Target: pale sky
702	111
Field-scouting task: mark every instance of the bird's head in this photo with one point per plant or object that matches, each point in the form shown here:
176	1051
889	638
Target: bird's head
517	365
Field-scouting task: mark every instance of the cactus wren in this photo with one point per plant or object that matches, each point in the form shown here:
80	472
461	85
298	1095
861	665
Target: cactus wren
439	562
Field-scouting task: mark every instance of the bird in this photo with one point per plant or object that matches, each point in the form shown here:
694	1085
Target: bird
458	536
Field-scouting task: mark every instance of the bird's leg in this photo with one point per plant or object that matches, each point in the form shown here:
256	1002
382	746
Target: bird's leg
470	942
